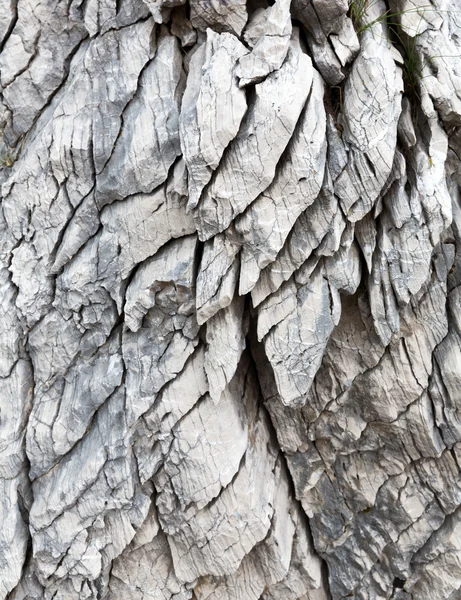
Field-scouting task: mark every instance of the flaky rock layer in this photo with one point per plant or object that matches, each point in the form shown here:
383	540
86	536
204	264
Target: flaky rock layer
230	300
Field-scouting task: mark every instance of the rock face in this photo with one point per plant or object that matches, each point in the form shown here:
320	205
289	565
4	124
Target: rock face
230	300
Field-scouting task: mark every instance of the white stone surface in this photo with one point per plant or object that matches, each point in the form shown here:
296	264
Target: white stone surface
230	300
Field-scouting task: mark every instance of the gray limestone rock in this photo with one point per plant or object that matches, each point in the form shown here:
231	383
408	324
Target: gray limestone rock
230	300
248	166
219	15
271	47
266	224
212	89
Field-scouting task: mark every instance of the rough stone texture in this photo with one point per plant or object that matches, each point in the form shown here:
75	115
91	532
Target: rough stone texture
230	300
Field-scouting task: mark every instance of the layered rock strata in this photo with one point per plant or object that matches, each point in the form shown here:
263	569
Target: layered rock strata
230	300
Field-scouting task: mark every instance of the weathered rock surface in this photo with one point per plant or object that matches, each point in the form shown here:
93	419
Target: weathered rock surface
249	165
212	89
230	300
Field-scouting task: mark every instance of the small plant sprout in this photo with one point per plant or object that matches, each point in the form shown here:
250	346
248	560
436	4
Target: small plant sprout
7	158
